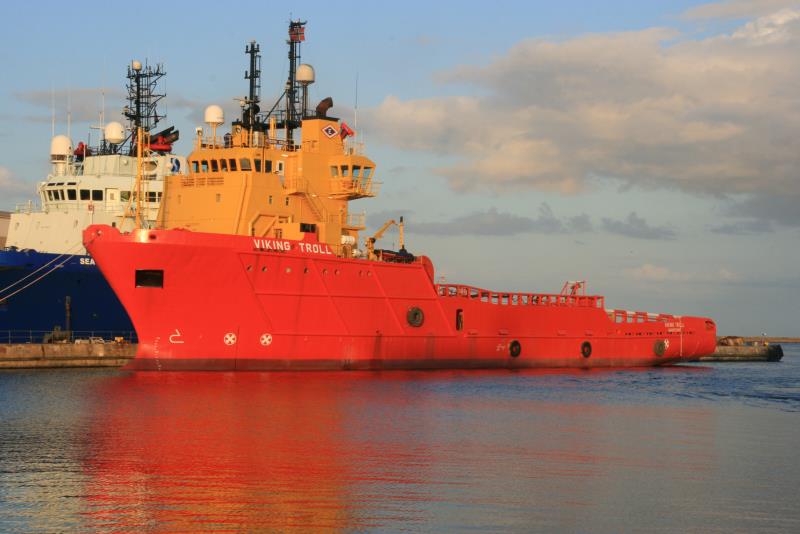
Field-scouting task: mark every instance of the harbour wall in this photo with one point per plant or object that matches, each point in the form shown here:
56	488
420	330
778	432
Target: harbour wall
745	353
60	355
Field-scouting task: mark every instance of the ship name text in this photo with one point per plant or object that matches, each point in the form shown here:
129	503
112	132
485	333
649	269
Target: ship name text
285	246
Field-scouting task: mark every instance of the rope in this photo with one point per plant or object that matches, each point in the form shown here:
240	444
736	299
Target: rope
32	273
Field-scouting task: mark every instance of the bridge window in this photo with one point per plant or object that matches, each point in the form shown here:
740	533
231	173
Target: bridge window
244	164
345	170
334	171
97	194
149	278
356	171
124	196
367	172
49	195
214	166
60	194
233	164
195	166
204	166
223	164
72	194
258	165
85	194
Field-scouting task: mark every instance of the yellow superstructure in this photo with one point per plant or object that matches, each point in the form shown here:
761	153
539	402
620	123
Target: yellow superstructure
258	180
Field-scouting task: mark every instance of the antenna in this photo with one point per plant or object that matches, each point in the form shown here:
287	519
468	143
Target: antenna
53	109
69	113
355	118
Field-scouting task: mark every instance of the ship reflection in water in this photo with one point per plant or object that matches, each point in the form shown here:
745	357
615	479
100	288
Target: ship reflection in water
492	451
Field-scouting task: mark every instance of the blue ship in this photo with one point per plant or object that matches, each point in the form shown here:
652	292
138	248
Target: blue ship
50	288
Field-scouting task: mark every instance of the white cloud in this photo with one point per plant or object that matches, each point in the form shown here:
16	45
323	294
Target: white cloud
11	189
654	273
716	115
736	9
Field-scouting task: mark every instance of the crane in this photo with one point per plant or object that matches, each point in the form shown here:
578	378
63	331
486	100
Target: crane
371	240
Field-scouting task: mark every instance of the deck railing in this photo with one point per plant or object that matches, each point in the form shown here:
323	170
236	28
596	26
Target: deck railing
519	299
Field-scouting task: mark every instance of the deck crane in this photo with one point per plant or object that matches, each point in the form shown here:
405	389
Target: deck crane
371	240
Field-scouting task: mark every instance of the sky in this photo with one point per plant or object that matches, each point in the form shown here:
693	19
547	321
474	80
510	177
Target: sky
650	148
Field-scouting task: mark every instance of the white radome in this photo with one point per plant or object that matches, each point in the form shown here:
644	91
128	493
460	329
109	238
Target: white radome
214	116
114	133
61	145
136	65
305	74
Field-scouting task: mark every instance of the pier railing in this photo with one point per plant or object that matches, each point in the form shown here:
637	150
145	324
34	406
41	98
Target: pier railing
519	299
65	336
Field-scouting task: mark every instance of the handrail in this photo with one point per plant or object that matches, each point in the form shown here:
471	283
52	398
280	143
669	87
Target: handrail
519	299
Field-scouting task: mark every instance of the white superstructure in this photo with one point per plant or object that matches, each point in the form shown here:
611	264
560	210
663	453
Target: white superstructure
97	190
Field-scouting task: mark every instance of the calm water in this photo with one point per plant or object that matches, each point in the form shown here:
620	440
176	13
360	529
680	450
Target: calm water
710	448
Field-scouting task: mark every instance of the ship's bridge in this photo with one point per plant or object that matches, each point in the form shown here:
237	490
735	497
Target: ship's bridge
352	177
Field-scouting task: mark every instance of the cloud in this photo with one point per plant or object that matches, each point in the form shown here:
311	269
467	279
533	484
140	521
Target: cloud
84	104
493	223
736	9
653	273
636	227
12	189
653	108
748	227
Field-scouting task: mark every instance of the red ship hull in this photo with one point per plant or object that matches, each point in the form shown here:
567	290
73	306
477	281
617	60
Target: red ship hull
222	302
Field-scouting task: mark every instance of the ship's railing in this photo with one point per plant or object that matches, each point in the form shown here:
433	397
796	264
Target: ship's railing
627	316
355	187
64	336
354	220
519	299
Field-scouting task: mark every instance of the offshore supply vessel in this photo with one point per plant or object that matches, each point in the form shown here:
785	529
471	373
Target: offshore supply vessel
255	264
49	286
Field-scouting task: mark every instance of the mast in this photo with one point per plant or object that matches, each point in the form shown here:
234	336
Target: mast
251	107
142	111
294	115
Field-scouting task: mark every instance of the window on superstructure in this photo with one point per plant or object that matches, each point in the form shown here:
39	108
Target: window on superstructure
267	165
367	172
219	197
345	170
356	171
72	194
49	195
214	166
124	196
204	166
195	166
60	194
258	165
244	164
270	199
97	194
223	164
85	195
334	171
459	319
233	164
151	196
286	201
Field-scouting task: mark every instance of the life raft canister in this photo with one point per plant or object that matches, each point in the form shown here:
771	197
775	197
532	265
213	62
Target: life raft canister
586	349
660	347
415	317
514	348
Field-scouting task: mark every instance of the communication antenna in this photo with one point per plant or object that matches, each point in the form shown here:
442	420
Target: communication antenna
53	110
355	118
69	113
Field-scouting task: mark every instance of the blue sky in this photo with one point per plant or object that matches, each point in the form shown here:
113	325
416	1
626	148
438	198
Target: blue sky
651	148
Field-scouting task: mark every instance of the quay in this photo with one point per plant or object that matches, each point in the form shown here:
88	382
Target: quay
62	355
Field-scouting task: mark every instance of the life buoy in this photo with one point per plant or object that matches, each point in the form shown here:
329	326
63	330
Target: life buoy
660	347
514	348
415	316
586	349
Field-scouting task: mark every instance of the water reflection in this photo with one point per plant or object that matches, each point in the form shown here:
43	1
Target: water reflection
192	451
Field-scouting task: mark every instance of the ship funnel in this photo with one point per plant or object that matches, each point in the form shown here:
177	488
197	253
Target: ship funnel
114	133
60	150
305	74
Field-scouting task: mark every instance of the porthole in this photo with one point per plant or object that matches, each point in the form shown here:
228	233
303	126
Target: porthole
415	316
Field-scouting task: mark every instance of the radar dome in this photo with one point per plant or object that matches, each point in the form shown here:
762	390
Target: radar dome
214	115
61	145
114	133
136	65
305	73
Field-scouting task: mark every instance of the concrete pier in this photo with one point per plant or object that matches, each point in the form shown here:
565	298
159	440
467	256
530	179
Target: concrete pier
60	355
745	353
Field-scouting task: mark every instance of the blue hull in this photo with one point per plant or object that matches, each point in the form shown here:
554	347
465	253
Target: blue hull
38	309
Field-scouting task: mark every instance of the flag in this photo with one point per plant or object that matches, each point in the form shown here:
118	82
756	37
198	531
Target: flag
345	132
